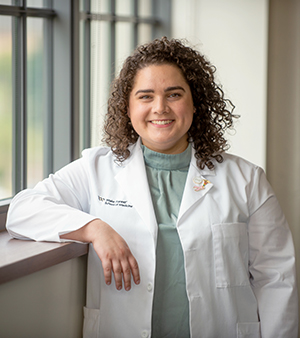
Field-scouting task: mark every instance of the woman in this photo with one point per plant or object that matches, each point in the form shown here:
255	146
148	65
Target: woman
195	236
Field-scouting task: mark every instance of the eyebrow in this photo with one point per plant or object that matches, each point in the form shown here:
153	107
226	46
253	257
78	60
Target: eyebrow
174	88
144	91
168	89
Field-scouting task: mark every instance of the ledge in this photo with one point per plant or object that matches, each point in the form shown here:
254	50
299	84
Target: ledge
20	258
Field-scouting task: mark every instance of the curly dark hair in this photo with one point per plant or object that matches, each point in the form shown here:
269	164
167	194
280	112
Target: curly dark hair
214	113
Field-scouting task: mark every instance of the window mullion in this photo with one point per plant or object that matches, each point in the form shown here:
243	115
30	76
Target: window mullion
87	78
48	94
19	30
48	85
162	12
135	27
113	39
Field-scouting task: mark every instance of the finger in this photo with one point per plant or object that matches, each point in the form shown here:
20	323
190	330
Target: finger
134	269
107	267
117	270
126	275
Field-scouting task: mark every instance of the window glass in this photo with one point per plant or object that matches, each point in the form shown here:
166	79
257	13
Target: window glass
145	8
124	7
101	70
124	43
100	6
35	101
6	2
38	3
5	107
144	33
11	2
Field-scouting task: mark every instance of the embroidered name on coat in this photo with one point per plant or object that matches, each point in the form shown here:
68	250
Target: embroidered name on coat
114	203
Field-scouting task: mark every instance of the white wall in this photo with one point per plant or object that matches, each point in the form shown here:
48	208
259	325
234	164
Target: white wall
233	36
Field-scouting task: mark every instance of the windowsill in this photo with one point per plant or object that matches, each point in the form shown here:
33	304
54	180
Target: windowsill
20	258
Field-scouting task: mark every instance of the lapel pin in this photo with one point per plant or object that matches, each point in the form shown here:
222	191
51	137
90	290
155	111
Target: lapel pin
200	183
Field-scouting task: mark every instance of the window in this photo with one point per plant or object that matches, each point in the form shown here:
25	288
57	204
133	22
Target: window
109	31
57	60
25	87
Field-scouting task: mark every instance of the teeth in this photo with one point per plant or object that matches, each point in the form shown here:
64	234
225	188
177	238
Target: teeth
161	122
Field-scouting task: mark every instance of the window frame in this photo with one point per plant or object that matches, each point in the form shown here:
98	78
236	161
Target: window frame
60	87
19	40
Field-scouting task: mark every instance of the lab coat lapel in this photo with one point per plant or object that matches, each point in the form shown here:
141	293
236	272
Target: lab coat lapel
192	193
133	180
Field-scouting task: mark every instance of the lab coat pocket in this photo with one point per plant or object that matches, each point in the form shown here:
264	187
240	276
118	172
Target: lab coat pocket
248	330
91	328
230	245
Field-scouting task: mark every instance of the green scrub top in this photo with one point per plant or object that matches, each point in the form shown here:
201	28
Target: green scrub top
166	176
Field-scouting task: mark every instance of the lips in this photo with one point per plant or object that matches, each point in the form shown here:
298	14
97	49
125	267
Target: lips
161	122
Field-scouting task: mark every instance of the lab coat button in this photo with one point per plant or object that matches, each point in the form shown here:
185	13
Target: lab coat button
149	287
145	334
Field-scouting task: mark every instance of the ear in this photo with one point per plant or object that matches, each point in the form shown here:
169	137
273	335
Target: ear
128	112
195	110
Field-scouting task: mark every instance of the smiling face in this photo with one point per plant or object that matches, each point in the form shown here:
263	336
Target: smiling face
161	108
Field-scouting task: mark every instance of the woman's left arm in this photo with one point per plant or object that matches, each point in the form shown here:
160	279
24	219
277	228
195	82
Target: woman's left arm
272	263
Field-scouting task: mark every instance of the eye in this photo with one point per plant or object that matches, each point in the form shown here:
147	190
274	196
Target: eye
144	97
174	95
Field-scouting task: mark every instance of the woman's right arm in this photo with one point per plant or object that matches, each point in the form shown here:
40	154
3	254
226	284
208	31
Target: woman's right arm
57	205
57	209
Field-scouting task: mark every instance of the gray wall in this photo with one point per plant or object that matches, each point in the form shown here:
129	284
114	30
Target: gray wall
45	304
283	142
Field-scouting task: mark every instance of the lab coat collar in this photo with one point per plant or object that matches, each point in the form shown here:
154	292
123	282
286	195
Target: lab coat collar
191	194
133	180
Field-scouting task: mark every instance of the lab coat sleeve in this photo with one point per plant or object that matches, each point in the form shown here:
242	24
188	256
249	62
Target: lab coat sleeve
55	206
272	262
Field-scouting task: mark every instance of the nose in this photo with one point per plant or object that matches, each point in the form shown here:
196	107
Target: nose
160	106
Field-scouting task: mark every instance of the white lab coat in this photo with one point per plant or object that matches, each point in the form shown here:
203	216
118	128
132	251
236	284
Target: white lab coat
238	249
